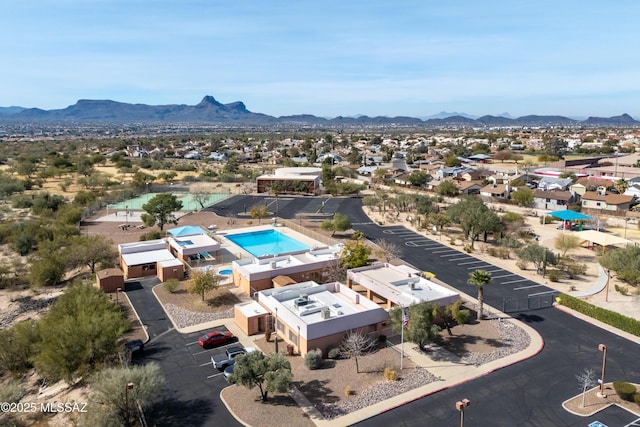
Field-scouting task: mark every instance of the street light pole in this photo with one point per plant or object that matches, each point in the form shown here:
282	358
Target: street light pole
128	386
460	405
603	349
606	292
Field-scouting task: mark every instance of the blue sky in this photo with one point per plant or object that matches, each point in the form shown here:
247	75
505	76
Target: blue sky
328	58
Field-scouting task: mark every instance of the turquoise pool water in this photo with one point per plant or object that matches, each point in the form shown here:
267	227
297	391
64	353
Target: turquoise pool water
225	272
266	242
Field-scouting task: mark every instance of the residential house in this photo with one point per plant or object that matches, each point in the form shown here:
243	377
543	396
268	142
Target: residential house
496	191
469	187
552	183
600	201
552	200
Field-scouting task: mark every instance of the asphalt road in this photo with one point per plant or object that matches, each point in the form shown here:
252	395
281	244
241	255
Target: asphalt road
529	393
191	395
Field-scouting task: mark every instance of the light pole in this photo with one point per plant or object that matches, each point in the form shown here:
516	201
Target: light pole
128	386
606	292
603	349
460	405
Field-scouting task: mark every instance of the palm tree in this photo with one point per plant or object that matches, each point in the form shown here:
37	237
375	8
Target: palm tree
479	278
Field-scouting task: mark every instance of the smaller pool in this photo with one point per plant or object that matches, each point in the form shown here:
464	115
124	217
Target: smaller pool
225	272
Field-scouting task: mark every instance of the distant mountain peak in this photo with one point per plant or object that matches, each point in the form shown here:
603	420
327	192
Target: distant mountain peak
209	100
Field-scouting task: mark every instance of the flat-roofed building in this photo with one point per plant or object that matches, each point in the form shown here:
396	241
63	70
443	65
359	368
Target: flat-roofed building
308	315
398	285
257	274
291	180
193	247
149	258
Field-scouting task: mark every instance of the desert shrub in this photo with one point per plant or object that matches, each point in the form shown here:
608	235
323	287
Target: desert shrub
522	264
620	321
512	217
152	235
510	242
334	353
267	335
547	219
468	249
554	275
624	290
347	391
576	269
493	252
636	399
313	359
389	374
171	285
625	390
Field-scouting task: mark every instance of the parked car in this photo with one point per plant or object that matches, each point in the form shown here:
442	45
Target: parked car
215	338
229	357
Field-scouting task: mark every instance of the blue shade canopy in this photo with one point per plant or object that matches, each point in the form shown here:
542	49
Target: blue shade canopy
568	215
187	230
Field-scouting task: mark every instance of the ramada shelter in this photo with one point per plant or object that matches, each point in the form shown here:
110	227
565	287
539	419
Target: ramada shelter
190	243
397	285
309	315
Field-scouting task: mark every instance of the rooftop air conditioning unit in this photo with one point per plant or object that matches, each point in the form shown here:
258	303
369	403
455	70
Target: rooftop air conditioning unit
274	264
326	313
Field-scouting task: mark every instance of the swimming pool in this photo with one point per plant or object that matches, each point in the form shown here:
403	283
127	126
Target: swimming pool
266	242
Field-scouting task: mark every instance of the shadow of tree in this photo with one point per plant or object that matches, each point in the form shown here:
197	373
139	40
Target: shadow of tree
226	298
317	391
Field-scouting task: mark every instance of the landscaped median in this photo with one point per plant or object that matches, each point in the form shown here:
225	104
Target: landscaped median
611	318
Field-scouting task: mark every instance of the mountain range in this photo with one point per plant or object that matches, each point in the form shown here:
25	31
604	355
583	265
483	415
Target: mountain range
210	111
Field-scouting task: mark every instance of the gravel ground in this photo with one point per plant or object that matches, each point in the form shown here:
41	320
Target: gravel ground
184	318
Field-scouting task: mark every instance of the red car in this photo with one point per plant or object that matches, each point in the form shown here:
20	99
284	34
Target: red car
215	338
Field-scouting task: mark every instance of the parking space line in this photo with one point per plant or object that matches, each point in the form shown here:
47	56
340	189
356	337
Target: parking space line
214	375
494	271
477	266
445	250
514	281
542	293
205	364
504	275
456	254
527	287
471	262
191	343
460	259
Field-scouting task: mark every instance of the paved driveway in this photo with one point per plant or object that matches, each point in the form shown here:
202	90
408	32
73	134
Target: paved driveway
191	396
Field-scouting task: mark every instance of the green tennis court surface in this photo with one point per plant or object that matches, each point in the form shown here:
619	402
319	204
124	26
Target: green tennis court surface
188	201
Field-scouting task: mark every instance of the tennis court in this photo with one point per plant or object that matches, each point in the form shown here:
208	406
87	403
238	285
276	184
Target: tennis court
188	201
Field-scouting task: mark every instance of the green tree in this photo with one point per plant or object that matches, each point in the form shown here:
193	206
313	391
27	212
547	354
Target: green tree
522	197
339	222
91	251
420	322
621	185
141	180
474	217
418	178
539	256
355	254
17	346
479	279
271	373
115	394
79	334
555	147
160	209
625	262
202	281
259	211
452	161
566	243
47	265
446	188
